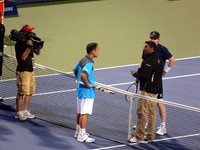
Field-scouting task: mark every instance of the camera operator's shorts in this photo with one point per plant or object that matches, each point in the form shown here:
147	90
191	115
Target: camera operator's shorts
85	106
26	83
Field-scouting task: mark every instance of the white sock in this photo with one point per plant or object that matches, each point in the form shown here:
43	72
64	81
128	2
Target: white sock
77	128
82	131
163	124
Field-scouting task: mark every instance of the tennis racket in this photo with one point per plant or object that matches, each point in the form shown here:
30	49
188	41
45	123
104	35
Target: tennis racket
103	89
100	88
133	88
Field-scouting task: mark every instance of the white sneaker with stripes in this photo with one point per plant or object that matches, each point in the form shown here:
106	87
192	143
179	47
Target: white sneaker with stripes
85	138
28	114
161	130
20	115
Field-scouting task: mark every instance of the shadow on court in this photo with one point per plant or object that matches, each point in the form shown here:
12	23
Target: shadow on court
32	134
37	134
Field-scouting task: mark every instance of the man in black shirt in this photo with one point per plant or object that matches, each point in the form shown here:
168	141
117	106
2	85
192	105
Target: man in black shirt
25	75
149	75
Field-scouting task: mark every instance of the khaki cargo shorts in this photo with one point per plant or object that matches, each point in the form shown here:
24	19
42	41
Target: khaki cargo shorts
26	83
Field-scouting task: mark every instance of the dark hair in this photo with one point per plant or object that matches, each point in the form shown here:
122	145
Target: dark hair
90	47
151	44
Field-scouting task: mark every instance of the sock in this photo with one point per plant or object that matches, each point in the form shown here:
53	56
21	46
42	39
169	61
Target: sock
77	128
163	124
82	131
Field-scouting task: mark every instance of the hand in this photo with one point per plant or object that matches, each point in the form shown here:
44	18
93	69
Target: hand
90	86
30	43
134	73
36	51
137	80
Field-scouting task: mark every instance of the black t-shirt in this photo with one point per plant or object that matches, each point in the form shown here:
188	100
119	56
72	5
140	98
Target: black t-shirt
23	65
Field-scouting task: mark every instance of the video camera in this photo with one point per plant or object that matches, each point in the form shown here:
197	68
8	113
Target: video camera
22	37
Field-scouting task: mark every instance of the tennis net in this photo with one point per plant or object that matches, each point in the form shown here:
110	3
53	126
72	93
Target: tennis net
183	126
113	117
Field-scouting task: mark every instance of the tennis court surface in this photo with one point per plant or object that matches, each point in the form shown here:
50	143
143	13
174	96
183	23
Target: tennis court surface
54	104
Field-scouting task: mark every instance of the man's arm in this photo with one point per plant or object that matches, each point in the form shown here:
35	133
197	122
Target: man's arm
28	50
75	72
140	66
171	62
26	53
169	66
84	78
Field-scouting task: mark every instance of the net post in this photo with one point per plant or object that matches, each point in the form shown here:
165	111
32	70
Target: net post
130	120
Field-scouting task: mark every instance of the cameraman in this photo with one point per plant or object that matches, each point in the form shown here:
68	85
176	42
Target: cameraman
25	75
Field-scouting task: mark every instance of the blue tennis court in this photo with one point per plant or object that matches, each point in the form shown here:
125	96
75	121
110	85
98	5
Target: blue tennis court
181	85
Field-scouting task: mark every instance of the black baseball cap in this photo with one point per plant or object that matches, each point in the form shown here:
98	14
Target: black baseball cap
154	35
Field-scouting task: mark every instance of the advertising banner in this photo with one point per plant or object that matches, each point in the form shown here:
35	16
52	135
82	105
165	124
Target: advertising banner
31	1
10	8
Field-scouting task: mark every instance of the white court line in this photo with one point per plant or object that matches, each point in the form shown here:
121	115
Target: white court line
177	137
182	76
146	142
55	92
48	75
131	65
166	78
110	147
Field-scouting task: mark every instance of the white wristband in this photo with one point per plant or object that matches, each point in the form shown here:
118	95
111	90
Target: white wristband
167	69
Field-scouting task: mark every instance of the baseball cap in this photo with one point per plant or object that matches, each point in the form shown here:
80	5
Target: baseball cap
27	28
155	34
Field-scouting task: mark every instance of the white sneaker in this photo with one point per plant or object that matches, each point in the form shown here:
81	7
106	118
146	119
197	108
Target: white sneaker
76	135
134	140
20	115
85	138
28	114
161	131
